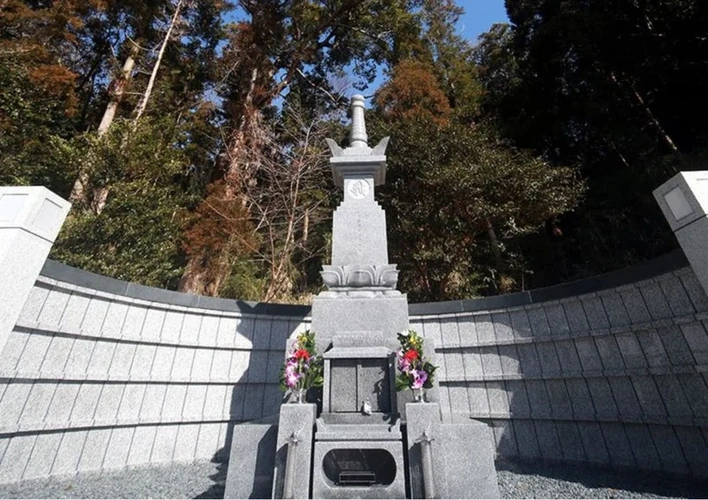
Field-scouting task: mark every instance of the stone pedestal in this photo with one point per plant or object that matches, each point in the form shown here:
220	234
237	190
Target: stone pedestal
684	201
30	219
461	454
343	315
295	429
252	459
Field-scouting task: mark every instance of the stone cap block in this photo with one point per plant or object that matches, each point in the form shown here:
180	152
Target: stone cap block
683	198
33	208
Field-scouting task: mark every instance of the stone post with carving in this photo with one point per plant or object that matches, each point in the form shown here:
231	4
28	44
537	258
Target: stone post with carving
30	219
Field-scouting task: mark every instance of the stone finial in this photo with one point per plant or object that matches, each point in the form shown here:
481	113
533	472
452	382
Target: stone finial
358	140
358	137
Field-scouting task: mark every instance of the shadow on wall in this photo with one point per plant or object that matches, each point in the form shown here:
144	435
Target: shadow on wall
615	376
612	378
255	396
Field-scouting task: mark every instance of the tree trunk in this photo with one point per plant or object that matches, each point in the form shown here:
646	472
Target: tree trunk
140	108
504	282
79	192
496	250
653	120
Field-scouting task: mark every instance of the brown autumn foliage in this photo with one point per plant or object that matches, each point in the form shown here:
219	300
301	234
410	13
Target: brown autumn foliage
413	92
218	231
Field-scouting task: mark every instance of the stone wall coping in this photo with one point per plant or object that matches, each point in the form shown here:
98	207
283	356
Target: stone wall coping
669	262
62	272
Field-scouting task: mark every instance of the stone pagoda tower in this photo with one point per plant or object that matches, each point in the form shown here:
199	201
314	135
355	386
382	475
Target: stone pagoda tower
361	295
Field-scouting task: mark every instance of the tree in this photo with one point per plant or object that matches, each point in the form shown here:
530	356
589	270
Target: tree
458	203
136	237
283	44
610	88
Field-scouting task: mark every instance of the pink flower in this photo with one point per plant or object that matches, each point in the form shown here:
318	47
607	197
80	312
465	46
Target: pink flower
291	380
419	378
404	365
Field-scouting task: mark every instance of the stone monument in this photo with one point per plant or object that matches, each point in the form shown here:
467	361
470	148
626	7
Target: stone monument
368	442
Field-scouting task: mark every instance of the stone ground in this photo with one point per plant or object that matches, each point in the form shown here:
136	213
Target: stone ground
206	480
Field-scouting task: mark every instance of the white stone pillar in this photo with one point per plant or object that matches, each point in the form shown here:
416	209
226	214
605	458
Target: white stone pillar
30	219
684	201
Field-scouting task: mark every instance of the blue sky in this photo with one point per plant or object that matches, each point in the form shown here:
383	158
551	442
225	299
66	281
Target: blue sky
480	15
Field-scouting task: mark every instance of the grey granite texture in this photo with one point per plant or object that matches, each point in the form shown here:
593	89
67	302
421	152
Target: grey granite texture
359	234
252	459
101	373
205	479
598	378
99	381
469	460
462	455
687	189
298	421
323	487
420	418
344	315
30	219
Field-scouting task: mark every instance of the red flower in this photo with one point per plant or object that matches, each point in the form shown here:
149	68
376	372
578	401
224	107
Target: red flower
411	355
302	354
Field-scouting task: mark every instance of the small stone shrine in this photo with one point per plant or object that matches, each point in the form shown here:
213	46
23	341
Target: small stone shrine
368	441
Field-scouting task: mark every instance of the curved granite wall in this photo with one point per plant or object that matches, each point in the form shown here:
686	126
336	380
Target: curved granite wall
100	373
609	370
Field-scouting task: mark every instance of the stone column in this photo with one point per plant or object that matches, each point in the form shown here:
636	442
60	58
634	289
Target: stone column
684	201
30	219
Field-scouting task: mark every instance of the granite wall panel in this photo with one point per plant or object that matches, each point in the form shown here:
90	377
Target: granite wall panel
95	379
616	377
91	380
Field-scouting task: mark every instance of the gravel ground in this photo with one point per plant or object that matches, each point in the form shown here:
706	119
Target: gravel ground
206	480
553	480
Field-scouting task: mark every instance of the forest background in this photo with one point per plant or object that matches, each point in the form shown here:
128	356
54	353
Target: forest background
189	135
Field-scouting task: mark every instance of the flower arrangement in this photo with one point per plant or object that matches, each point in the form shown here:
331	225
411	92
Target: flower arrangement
303	367
416	371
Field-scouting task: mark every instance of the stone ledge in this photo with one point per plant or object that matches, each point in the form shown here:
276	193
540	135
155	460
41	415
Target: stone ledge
672	262
555	337
59	330
617	418
18	376
40	427
630	372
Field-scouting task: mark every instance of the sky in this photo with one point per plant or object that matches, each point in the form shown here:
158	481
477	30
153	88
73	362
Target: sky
479	16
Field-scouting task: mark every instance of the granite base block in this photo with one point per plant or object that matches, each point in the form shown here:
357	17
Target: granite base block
422	417
469	460
344	315
462	453
298	419
252	459
324	487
